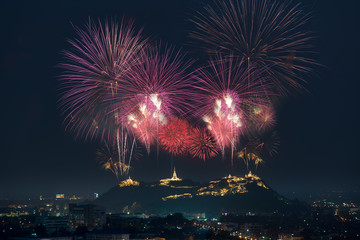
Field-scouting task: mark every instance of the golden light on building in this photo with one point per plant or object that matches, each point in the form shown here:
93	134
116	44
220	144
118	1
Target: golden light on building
129	182
234	185
174	178
176	196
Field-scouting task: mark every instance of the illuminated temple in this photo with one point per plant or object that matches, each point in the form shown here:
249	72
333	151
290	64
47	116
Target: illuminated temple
174	178
129	182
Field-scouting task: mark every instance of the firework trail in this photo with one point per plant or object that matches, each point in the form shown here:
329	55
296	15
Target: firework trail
108	158
145	125
147	119
225	96
255	149
251	153
266	33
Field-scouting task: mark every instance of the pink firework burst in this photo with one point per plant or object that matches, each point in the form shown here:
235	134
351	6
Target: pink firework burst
157	88
95	68
162	81
146	123
174	137
202	144
227	91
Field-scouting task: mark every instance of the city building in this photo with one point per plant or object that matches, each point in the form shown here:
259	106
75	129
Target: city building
88	215
56	224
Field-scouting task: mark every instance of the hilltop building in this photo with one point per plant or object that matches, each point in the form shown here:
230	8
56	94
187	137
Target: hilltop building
174	178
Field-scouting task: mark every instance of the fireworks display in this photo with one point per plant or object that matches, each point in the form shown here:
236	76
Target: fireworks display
263	118
120	87
157	89
267	33
94	69
227	90
162	81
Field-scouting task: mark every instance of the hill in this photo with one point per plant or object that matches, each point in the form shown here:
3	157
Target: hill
231	194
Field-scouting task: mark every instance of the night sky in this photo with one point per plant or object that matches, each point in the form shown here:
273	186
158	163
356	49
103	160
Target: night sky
319	130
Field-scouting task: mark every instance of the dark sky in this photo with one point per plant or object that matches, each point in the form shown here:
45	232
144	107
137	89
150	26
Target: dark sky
319	129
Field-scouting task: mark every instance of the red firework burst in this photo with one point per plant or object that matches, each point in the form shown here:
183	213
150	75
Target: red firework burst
174	137
202	144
